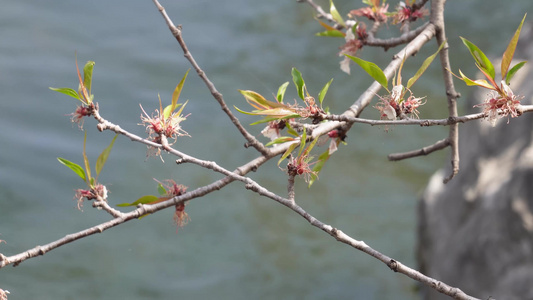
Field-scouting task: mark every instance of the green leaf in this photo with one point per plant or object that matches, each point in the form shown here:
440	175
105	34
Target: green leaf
176	95
330	30
509	52
287	152
478	82
100	162
86	163
424	66
335	14
318	167
513	71
323	91
490	79
298	82
74	167
258	101
68	91
182	107
327	26
280	140
480	58
290	130
373	70
143	200
88	76
268	119
244	112
167	111
330	33
281	92
271	110
397	81
310	147
82	90
161	190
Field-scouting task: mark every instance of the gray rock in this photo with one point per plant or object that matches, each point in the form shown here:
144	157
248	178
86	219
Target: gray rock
476	232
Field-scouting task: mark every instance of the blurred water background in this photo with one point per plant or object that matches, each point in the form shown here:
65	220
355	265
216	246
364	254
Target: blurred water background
237	245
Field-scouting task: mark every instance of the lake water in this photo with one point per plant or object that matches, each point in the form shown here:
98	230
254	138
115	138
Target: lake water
237	245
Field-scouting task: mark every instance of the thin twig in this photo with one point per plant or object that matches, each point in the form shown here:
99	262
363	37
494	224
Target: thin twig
340	236
371	40
100	203
423	151
254	186
420	122
437	17
322	14
176	32
393	42
107	125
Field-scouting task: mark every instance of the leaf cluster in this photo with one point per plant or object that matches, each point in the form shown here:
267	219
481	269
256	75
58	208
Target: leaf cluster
85	175
487	68
84	88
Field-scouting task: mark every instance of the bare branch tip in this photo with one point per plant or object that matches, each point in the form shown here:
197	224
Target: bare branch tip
450	177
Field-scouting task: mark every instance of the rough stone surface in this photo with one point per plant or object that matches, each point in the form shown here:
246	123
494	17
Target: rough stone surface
476	232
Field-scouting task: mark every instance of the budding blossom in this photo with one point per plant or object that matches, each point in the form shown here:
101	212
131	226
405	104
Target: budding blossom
181	218
336	137
3	294
497	106
386	110
394	105
272	131
300	166
409	106
352	45
158	125
172	190
99	190
81	112
311	109
405	13
373	13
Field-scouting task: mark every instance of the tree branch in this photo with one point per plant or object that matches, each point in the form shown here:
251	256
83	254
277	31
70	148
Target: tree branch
437	18
251	185
420	122
416	40
424	151
393	42
362	246
176	32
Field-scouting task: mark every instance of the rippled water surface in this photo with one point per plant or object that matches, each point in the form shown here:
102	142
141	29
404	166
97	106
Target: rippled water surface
238	245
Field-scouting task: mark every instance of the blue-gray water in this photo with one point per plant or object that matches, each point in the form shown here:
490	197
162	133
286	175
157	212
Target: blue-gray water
237	245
